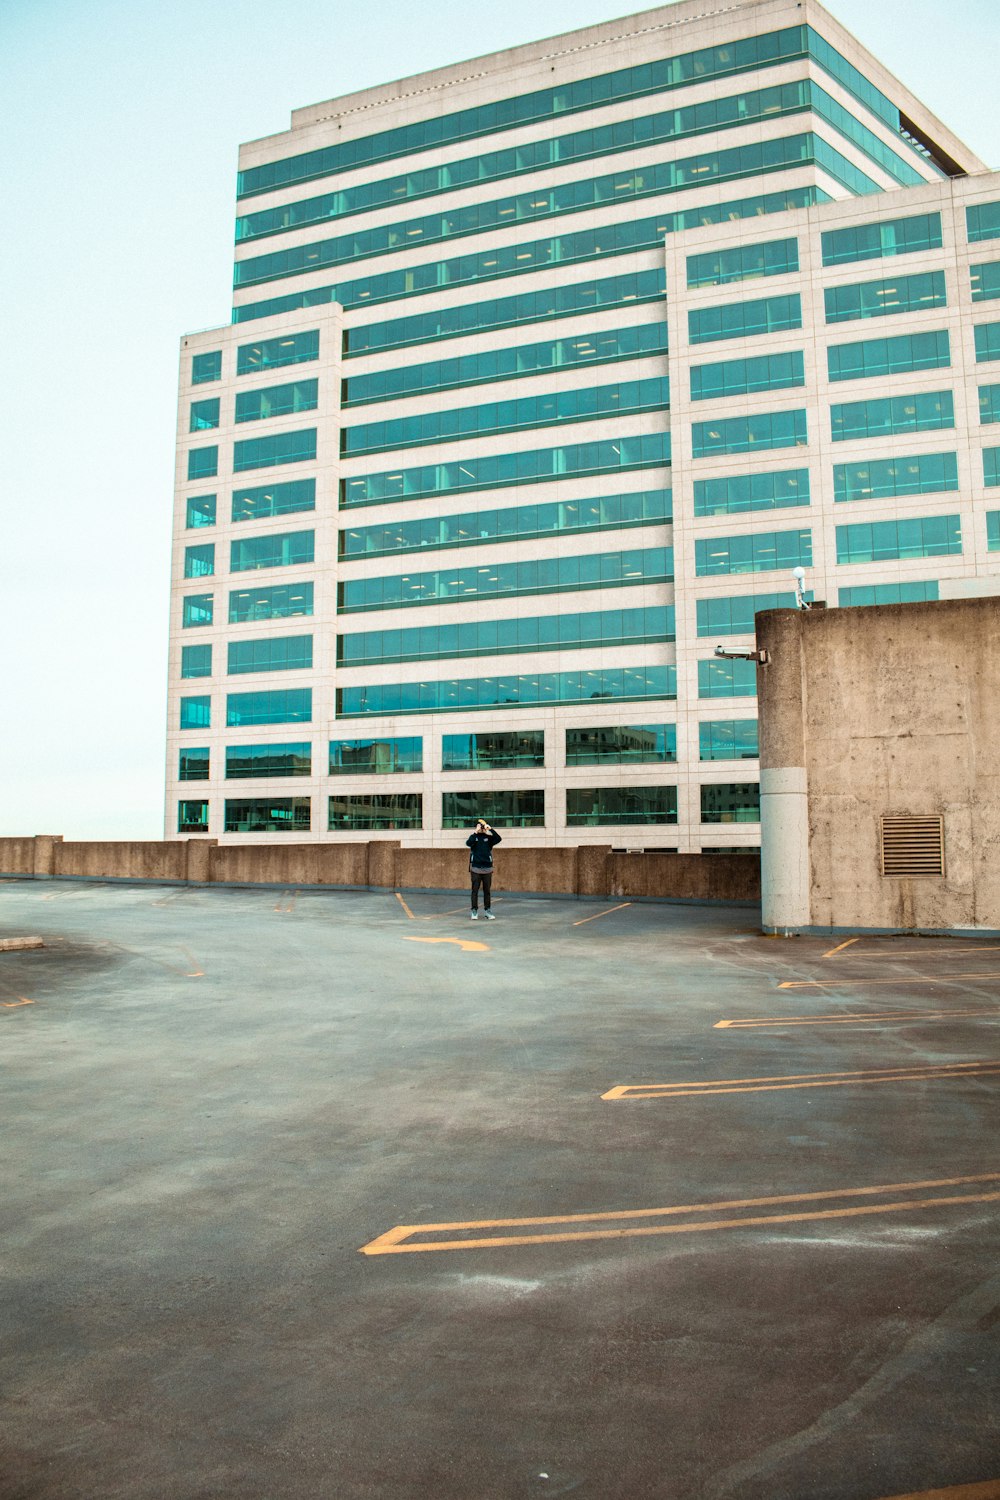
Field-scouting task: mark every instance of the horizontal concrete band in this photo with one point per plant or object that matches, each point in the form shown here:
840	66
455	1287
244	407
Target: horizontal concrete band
783	779
584	870
825	932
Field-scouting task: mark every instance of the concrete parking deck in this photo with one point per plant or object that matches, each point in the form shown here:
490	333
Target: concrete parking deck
321	1196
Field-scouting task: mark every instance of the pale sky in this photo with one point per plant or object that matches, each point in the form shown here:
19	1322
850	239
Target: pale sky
118	171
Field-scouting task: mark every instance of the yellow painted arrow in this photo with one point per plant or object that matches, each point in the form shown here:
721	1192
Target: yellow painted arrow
464	943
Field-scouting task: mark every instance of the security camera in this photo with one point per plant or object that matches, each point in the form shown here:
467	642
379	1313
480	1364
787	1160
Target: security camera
799	574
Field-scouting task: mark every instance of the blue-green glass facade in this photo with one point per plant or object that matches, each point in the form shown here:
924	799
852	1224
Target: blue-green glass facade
879	541
458	695
895	356
987	341
926	411
206	367
742	377
374	810
277	448
277	400
262	500
275	354
475	528
984	281
268	815
735	493
606	346
376	757
887	593
275	706
596	806
752	552
983	221
921	474
258	762
778	429
731	803
286	653
290	549
882	298
740	320
734	614
193	763
726	679
621	745
196	661
550	575
877	241
993	530
276	601
991	467
572	630
200	510
728	739
624	398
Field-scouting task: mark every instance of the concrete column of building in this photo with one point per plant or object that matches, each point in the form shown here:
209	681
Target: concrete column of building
784	805
198	865
45	854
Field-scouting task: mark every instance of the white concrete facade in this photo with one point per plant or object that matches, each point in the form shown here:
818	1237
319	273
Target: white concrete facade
378	279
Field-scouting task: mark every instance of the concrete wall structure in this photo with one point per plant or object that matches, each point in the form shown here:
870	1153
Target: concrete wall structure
865	713
585	871
490	257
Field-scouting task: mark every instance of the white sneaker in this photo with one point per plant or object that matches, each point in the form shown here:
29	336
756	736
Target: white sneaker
474	915
489	916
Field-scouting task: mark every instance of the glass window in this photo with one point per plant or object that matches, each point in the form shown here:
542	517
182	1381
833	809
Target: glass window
878	240
279	706
743	263
268	815
196	713
919	474
723	60
887	593
753	552
288	549
272	354
622	399
628	290
983	221
496	471
203	463
727	679
733	493
277	601
734	803
987	337
607	346
991	467
910	351
495	750
877	541
561	632
192	817
595	806
500	809
272	654
379	757
621	745
246	762
193	764
196	661
741	377
279	448
204	414
197	610
740	320
728	739
876	299
385	810
200	511
735	615
588	570
716	165
985	281
778	429
993	531
206	367
524	522
565	249
465	694
264	500
988	404
199	562
923	412
277	401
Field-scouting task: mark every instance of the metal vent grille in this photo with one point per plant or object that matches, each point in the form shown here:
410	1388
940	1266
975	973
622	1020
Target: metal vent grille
911	846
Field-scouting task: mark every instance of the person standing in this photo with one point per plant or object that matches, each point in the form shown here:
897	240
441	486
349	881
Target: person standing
480	845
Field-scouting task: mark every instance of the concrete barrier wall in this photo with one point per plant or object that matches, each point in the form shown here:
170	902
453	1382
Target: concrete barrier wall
588	871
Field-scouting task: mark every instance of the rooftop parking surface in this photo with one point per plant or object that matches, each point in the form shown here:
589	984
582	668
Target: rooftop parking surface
339	1196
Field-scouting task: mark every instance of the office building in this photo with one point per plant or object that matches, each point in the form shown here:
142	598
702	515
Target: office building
545	370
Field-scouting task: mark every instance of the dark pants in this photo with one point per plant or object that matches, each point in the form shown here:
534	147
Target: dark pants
484	880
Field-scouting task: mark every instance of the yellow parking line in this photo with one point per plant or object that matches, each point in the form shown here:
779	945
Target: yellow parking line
840	947
405	907
602	914
14	1004
399	1241
801	1081
466	944
823	984
852	1018
989	1489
